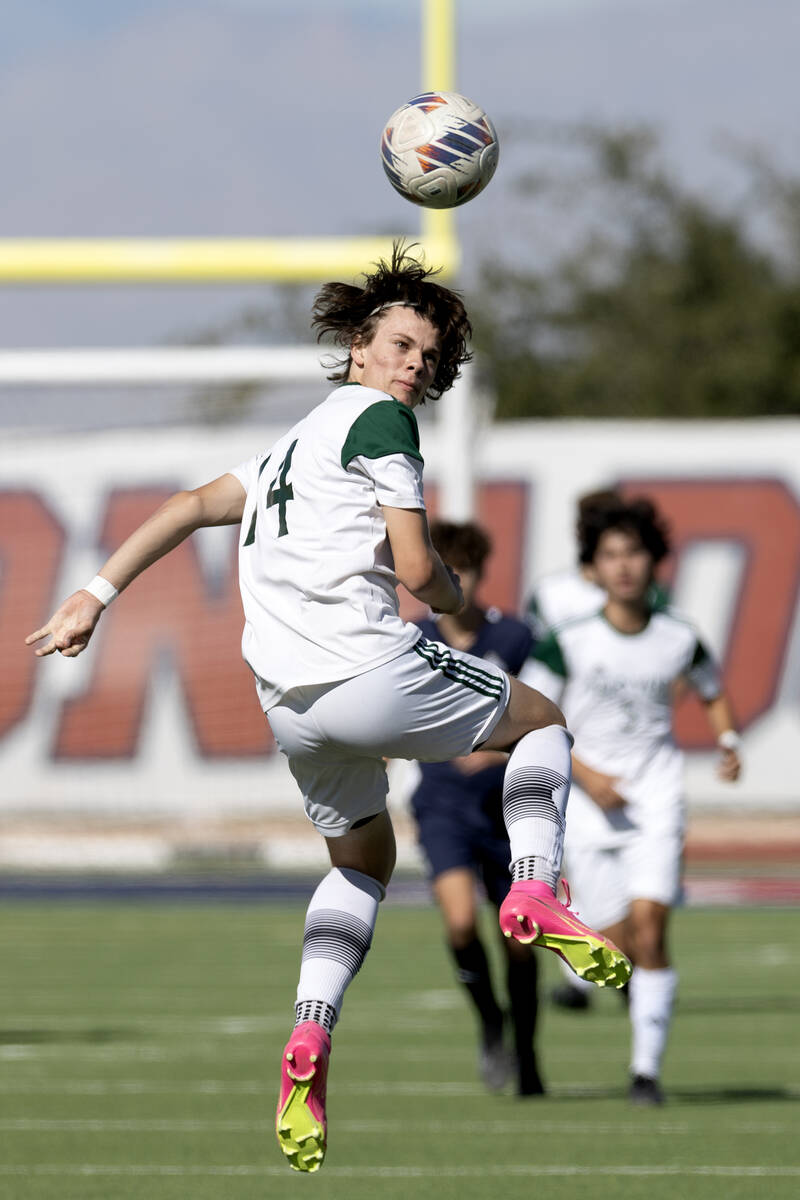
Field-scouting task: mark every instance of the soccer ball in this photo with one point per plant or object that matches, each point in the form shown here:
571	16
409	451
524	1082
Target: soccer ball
439	149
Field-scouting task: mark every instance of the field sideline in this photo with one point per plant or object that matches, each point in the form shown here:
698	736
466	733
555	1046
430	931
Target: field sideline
139	1045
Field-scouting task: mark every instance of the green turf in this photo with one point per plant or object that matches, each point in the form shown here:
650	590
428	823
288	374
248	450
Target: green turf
139	1045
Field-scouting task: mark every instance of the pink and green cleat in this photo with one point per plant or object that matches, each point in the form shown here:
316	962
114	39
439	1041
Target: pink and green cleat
300	1122
531	913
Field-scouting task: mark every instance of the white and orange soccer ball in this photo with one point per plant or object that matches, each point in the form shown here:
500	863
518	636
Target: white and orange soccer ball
439	149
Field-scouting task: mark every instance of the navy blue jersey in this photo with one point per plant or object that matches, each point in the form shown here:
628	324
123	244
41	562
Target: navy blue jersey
507	642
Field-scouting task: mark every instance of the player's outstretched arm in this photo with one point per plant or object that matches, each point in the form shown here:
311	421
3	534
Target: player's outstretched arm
720	716
220	502
417	564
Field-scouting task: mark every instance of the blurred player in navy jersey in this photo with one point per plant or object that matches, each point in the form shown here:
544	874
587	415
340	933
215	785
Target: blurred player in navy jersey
458	807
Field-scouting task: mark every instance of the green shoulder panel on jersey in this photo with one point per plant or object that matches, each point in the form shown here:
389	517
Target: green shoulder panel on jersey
386	427
548	651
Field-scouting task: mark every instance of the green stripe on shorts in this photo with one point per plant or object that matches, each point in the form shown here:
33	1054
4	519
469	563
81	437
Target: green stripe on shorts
484	682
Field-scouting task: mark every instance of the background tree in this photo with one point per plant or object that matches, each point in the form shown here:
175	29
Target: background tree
665	307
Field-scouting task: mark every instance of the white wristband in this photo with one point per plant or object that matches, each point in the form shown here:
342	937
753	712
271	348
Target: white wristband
102	590
729	740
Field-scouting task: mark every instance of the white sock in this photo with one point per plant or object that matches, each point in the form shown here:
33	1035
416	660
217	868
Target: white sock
535	791
338	933
652	995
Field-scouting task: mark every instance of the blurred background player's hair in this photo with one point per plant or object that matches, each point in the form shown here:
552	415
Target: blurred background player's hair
591	502
349	312
463	547
639	517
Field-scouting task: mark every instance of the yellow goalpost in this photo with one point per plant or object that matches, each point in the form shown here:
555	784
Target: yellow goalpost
243	259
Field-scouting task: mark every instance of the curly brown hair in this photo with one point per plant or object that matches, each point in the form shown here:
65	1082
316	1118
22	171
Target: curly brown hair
638	517
352	313
463	546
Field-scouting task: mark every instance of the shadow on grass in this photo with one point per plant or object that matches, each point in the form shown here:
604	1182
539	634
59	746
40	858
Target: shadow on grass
29	1037
685	1095
720	1006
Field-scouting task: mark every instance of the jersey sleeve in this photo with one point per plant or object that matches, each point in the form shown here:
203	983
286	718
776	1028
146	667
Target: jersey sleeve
397	479
703	673
520	648
383	443
246	472
384	428
534	618
546	668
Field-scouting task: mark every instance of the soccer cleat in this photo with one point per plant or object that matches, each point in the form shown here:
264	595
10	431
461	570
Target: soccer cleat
529	1080
300	1122
645	1091
531	913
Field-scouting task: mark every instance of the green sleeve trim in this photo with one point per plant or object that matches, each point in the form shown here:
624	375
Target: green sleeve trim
386	427
549	652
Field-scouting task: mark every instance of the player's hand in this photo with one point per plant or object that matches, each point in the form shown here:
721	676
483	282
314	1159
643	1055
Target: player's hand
70	627
456	582
729	767
602	789
458	604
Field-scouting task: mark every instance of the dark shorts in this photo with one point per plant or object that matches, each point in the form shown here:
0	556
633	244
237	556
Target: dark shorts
456	830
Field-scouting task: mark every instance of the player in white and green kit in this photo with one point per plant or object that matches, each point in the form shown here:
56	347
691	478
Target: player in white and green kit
614	672
332	518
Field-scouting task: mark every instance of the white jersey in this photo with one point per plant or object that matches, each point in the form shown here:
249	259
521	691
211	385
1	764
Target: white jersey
565	595
616	692
315	567
561	597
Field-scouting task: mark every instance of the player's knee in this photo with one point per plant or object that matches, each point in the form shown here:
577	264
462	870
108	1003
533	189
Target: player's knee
533	710
539	711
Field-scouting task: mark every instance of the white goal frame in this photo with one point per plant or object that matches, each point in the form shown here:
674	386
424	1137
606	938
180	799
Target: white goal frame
237	364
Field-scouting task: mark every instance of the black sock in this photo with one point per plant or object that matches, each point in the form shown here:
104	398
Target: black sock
473	971
522	991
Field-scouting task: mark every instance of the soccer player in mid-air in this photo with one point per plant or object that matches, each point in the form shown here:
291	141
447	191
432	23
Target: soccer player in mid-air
615	673
458	808
332	517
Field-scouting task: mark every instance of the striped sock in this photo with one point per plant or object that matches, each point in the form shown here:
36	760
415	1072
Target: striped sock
535	791
338	933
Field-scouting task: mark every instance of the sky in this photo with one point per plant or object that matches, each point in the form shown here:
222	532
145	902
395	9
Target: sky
260	117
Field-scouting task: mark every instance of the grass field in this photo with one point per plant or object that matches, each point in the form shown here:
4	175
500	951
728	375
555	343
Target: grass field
139	1046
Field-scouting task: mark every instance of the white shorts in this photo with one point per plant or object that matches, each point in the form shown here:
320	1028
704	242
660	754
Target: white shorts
431	703
604	880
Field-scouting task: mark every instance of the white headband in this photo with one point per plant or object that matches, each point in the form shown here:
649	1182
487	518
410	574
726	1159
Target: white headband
392	304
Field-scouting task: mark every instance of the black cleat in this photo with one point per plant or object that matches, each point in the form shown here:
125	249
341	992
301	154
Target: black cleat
645	1092
529	1082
